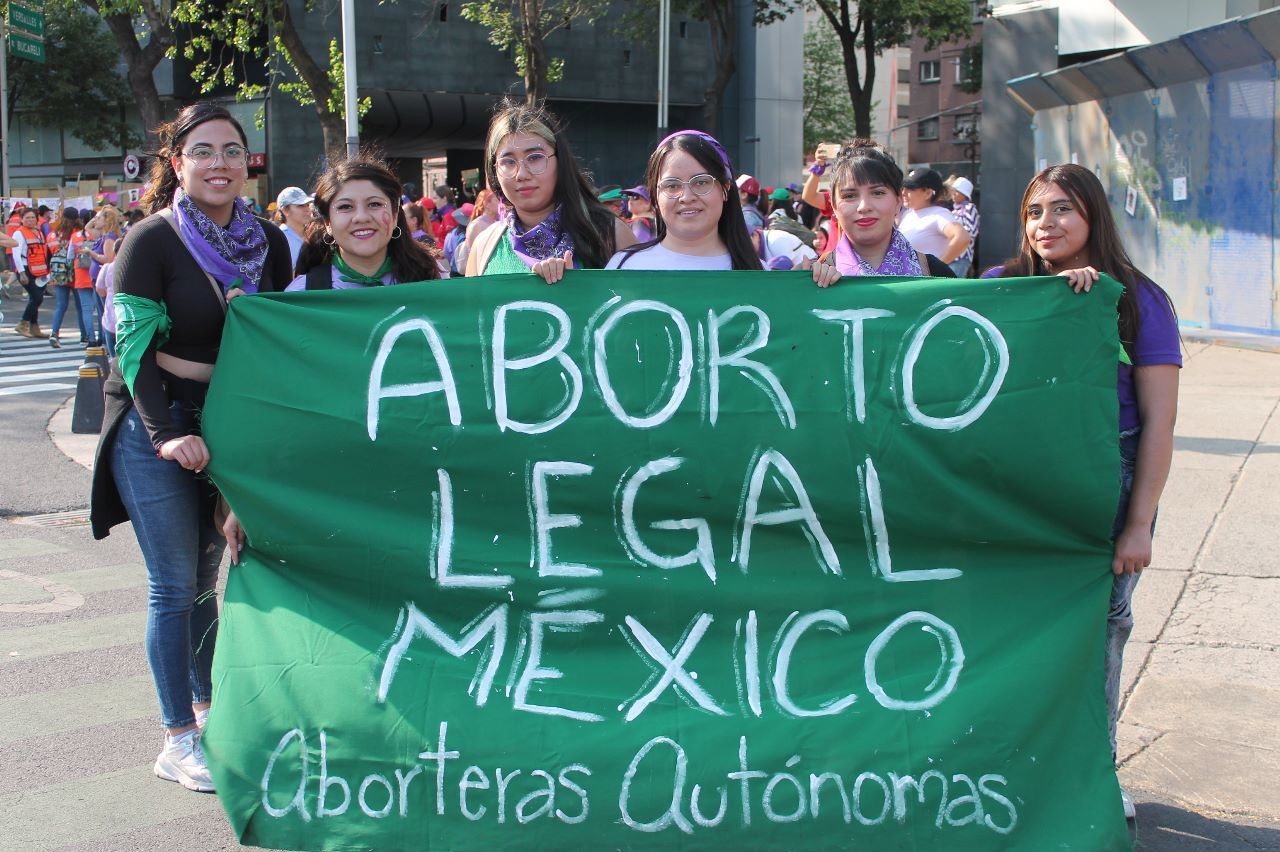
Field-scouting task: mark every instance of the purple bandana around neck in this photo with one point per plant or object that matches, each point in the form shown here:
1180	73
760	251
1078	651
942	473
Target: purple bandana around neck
545	239
235	255
900	259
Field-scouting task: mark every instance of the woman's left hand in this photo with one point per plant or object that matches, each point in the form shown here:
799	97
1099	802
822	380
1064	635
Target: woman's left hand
1081	279
824	272
552	269
234	534
1133	550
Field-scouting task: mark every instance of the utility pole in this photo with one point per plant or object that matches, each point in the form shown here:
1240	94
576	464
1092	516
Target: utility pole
4	108
664	62
349	76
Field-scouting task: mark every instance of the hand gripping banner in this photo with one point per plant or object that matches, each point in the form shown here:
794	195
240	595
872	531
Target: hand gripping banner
668	561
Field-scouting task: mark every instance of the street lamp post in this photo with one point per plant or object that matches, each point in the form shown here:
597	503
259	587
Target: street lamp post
349	76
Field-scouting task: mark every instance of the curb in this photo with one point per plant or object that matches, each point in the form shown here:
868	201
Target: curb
79	448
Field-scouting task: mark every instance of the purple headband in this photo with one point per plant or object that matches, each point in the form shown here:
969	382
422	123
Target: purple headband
710	140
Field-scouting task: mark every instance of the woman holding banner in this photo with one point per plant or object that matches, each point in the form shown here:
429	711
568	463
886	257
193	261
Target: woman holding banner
365	239
174	276
866	185
553	221
699	212
1069	231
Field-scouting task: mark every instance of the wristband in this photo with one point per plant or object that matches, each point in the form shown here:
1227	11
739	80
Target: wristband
817	169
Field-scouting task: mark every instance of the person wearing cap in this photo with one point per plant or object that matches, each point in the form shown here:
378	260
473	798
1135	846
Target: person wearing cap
966	212
642	220
294	206
749	196
611	197
929	227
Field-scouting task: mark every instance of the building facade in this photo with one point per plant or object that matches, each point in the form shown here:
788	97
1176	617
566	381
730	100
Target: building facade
944	118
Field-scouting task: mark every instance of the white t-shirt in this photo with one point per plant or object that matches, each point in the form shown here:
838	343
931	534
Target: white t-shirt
659	256
778	243
923	229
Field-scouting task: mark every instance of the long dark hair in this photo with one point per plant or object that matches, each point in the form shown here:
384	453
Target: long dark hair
410	260
732	227
1106	252
588	222
164	180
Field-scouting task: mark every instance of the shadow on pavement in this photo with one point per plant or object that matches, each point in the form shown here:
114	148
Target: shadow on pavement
1222	446
1162	828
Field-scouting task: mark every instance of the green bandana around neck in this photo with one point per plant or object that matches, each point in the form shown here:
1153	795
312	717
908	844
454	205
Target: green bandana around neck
346	273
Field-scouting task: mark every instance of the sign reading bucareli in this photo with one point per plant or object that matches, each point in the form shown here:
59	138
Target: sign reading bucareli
668	560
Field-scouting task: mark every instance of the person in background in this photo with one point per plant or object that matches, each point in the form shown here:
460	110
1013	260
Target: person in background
200	247
553	220
484	214
294	207
105	286
363	239
1068	230
416	220
867	185
640	206
966	213
31	263
929	227
611	197
443	204
749	198
456	240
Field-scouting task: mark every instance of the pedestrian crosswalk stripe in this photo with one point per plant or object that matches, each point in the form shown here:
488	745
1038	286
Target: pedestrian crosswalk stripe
65	373
90	634
58	711
34	389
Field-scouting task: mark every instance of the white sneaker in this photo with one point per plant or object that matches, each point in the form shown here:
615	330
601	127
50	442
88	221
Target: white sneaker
202	719
1127	803
183	761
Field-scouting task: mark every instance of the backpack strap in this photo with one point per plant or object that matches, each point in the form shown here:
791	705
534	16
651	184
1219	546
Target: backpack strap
167	215
320	277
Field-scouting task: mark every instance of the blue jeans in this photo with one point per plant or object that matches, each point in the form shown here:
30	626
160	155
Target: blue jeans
84	310
174	524
1120	614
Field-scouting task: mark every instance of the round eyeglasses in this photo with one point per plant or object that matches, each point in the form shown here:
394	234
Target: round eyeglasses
700	184
535	163
233	156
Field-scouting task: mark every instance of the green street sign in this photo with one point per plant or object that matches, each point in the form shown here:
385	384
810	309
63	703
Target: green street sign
26	47
26	20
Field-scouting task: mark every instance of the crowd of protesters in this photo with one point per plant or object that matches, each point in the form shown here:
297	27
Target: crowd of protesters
171	278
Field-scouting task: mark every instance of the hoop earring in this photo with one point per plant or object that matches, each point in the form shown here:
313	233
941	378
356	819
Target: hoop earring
396	234
328	240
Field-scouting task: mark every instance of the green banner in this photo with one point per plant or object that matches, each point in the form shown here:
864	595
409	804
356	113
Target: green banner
668	561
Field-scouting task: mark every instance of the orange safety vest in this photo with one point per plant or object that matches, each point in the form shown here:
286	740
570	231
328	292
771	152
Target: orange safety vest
37	252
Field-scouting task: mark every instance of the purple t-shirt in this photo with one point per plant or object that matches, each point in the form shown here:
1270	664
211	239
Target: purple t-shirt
1158	343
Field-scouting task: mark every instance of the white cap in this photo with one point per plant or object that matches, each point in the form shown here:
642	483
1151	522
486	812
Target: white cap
292	195
964	186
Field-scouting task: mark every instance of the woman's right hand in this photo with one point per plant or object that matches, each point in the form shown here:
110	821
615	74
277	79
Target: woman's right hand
1081	279
234	534
552	269
190	451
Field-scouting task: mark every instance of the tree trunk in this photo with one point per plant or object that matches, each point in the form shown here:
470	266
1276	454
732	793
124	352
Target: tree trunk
862	100
142	61
332	124
720	17
533	44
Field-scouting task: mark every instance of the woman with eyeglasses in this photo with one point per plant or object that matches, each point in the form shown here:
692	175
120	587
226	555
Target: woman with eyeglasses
699	212
553	221
174	276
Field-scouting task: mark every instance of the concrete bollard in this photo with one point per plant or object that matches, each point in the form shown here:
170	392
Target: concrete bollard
98	355
90	405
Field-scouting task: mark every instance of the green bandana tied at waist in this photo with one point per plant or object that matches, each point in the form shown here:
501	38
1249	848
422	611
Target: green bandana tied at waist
139	321
346	273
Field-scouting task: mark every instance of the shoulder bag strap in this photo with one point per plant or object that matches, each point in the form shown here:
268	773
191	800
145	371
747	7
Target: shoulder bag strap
167	215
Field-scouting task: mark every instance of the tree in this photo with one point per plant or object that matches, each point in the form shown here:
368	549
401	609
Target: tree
76	88
827	117
144	35
721	18
870	26
523	26
229	33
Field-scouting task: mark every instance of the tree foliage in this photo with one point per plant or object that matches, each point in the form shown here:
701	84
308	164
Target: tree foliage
521	27
229	35
144	35
827	117
871	26
77	88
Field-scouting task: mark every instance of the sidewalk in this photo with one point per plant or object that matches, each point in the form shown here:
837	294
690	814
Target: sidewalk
1200	733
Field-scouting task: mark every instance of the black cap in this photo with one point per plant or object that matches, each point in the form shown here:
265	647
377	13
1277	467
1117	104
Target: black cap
921	178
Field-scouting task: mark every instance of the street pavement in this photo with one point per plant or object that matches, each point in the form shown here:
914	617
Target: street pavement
1200	737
